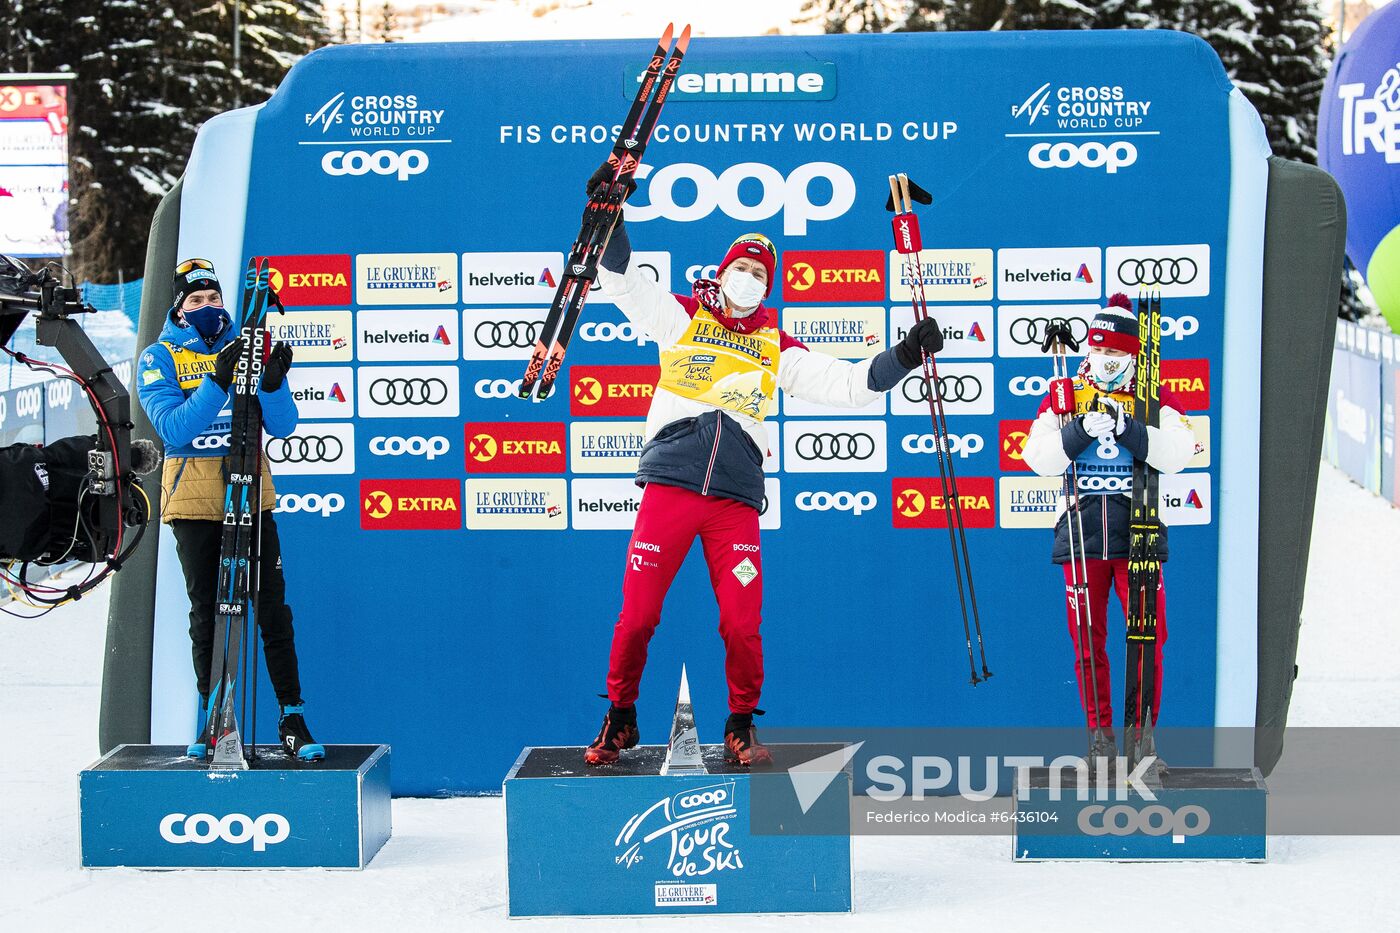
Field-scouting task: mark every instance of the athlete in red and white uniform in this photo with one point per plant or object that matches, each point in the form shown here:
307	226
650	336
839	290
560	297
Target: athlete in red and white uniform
723	359
1103	445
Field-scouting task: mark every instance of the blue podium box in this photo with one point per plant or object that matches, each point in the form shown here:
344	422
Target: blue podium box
624	840
148	806
1197	814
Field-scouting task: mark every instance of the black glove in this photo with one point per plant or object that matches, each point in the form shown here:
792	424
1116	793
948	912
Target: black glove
916	194
925	336
1059	332
597	185
225	363
275	369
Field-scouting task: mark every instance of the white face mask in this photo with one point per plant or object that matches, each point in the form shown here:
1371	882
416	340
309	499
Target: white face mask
1111	372
743	289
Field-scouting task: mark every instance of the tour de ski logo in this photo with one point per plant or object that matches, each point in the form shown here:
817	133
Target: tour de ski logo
693	829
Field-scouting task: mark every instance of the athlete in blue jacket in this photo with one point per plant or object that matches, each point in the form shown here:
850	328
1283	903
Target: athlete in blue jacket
182	382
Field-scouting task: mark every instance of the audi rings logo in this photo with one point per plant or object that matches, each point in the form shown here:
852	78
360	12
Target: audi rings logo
404	164
235	829
431	391
508	335
325	505
417	446
305	448
853	502
1030	331
210	442
950	388
1157	271
1155	820
835	446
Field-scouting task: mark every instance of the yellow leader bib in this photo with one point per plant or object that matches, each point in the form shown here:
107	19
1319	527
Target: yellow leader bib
191	367
724	368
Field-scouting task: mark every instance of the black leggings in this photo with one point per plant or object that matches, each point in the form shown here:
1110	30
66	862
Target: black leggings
198	543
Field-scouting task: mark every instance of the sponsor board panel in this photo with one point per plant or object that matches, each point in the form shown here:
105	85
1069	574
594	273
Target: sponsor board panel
834	275
1029	501
1185	499
1021	328
410	504
948	275
323	391
612	391
845	333
605	504
408	391
406	279
510	278
1181	271
515	447
390	336
310	281
835	447
795	407
314	336
312	449
917	502
517	504
1060	273
966	389
501	333
967	330
606	446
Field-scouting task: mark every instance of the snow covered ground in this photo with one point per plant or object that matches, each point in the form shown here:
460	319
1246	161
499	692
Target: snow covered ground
444	868
611	19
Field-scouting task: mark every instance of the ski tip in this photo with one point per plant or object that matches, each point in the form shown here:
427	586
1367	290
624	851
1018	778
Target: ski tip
311	752
684	40
665	42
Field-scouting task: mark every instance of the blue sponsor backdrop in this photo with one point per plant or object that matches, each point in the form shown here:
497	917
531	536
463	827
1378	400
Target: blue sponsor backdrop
1100	160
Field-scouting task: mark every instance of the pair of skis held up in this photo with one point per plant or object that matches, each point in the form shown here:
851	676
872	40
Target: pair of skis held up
236	611
600	216
1144	534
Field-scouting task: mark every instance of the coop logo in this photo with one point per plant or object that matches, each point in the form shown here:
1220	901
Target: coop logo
29	402
612	391
789	195
1190	380
1081	107
692	828
310	281
429	448
1108	157
510	278
957	445
919	502
387	336
401	164
410	504
315	503
609	331
834	275
1153	820
857	503
409	392
59	393
515	447
236	829
517	504
1372	123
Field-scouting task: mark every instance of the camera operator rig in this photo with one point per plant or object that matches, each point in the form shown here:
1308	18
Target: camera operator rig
110	498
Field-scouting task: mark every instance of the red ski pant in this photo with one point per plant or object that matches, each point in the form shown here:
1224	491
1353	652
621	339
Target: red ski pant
1102	576
667	523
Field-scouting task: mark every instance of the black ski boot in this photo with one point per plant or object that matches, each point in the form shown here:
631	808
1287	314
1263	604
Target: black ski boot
619	732
296	738
1102	744
741	743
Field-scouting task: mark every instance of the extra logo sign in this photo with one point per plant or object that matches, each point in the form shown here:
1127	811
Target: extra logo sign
612	391
311	281
515	447
919	502
834	275
410	504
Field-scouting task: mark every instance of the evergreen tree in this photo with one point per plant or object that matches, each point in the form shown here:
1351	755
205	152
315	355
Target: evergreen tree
386	26
146	77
